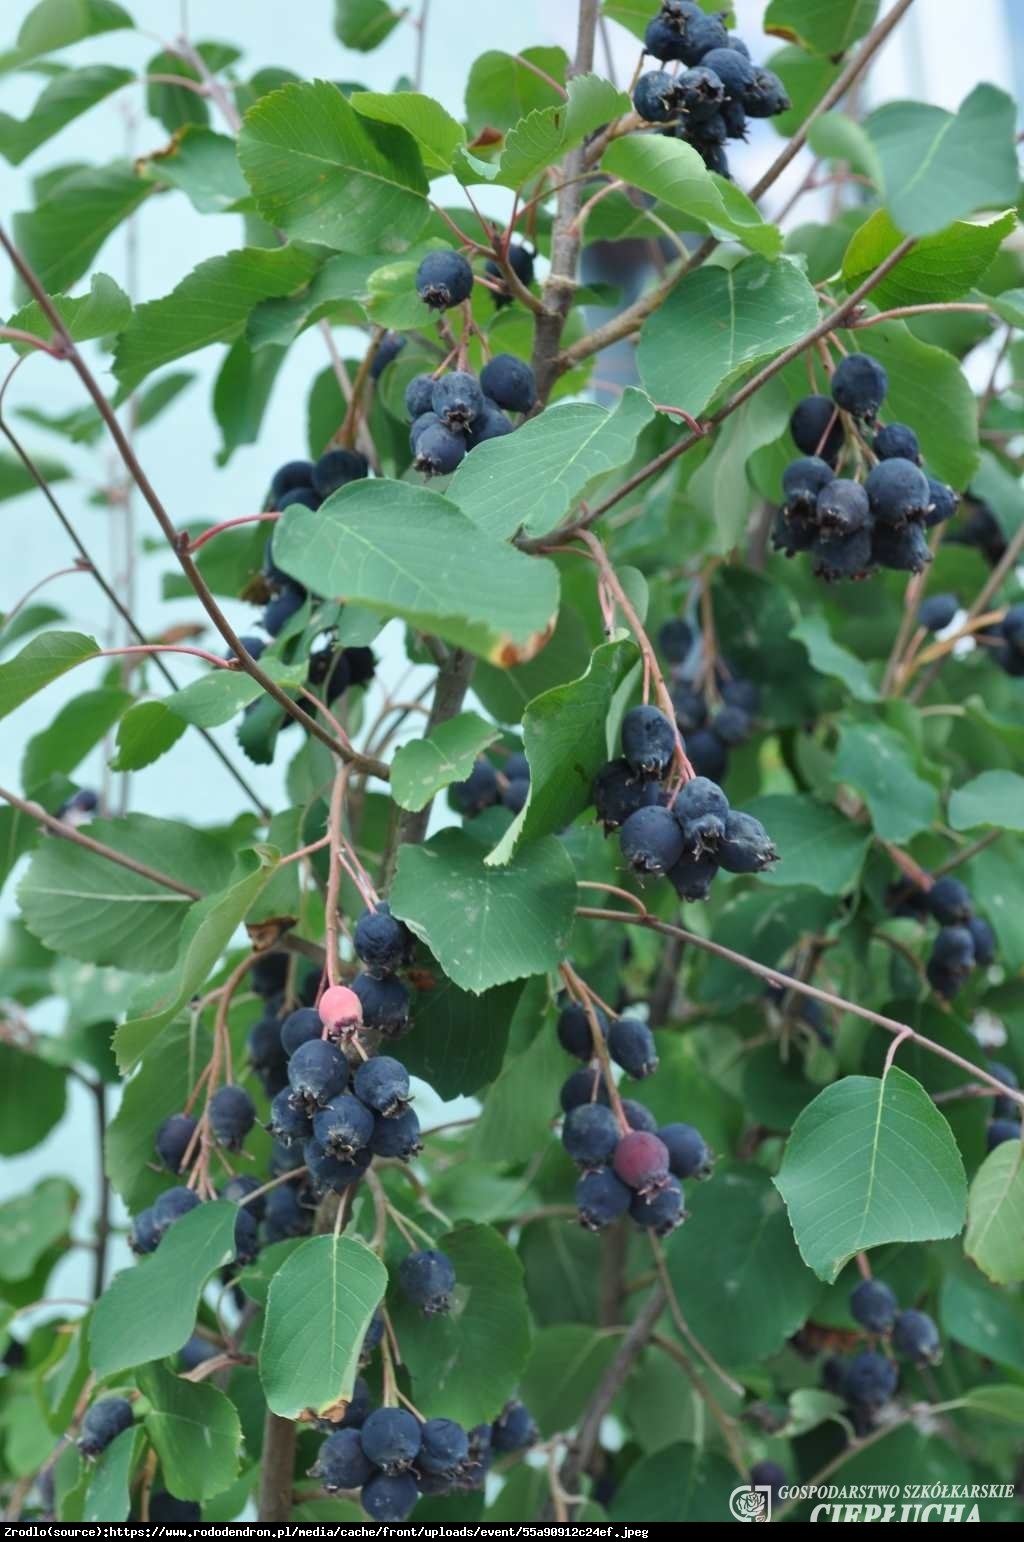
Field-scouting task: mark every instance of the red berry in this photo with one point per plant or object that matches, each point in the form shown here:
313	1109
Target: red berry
340	1008
641	1161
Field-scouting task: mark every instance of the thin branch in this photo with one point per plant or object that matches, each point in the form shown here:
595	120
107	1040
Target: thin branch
99	1267
790	982
278	1469
36	812
725	1424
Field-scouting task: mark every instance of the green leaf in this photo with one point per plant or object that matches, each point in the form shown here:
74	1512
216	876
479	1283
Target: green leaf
62	99
39	662
502	88
486	925
806	78
721	482
737	1268
676	1484
195	1432
821	26
995	874
870	1161
817	845
722	321
17	835
995	1215
998	1402
77	728
210	305
364	24
567	735
323	173
54	24
219	696
563	1371
467	1363
62	235
32	1099
149	1310
829	658
108	1497
984	1317
80	903
991	798
939	268
543	137
203	165
147	731
879	762
318	1310
207	931
674	173
928	388
435	131
15	480
408	552
550	462
939	166
836	137
106	308
422	767
462	1037
32	1223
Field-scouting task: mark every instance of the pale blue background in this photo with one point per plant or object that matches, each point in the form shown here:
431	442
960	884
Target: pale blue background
938	53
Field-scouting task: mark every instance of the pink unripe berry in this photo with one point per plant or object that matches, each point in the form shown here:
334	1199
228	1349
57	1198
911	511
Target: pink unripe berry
641	1160
340	1008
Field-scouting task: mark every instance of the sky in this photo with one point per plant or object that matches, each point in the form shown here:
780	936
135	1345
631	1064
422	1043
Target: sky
939	52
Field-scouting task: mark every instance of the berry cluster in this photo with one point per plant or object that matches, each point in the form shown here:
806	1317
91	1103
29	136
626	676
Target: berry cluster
852	527
485	786
629	1165
391	1457
1005	1123
710	101
304	483
869	1379
709	736
687	836
520	259
964	940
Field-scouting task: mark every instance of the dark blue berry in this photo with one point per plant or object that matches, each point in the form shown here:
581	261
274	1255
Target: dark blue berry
520	260
733	725
294	473
103	1422
938	611
897	440
744	694
194	1351
859	385
439	450
583	1086
701	809
689	705
661	1210
299	497
769	1475
1002	1108
662	41
842	507
398	1136
916	1338
478	791
427	1279
490	423
701	35
984	939
343	1127
457	399
699	93
590	1134
359	1406
904	550
746	846
382	1083
444	279
898	491
873	1305
639	1116
232	1115
509	382
444	1447
949	901
513	1429
618	792
421	423
264	1046
173	1139
733	69
247	1238
385	1003
675	639
288	1123
515	793
816	428
943	503
998	1131
693	876
317	1072
631	1045
171	1205
342	1462
654	96
269	972
648	742
419	396
767	97
802	481
870	1379
381	942
688	1152
651	840
329	1172
282	608
284	1216
391	1439
237	1191
145	1234
601	1198
389	1498
388	349
574	1031
337	467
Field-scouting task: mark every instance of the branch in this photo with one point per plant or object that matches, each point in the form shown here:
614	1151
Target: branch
790	982
56	826
278	1469
834	320
582	1448
99	1269
192	573
629	320
560	284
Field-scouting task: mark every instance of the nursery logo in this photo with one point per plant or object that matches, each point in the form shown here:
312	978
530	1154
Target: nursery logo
752	1502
